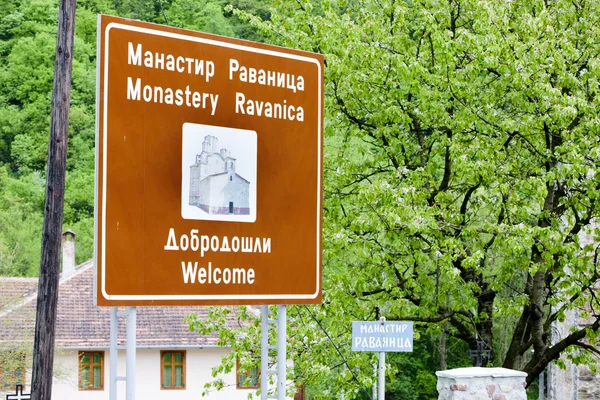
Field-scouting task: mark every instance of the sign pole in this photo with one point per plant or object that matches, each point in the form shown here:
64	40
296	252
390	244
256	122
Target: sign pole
380	337
382	369
264	353
114	327
281	350
130	351
381	376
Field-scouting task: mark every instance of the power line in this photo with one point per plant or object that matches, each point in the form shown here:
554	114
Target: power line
338	351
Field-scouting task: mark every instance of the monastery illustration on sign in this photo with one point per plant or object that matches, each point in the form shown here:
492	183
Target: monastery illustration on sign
215	187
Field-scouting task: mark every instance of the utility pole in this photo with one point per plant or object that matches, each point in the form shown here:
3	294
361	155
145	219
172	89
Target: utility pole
45	319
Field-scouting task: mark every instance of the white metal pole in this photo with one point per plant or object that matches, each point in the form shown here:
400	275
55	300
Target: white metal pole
114	353
281	350
381	376
130	353
264	354
382	370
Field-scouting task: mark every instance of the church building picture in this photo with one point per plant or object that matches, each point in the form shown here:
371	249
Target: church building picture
215	186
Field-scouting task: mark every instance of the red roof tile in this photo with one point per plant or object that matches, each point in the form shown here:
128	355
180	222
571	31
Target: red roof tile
15	290
80	324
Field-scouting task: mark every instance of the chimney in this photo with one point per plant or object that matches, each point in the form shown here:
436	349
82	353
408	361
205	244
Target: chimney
68	252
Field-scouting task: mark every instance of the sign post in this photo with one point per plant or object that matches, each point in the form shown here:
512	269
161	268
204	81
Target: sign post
381	381
208	173
381	337
264	352
281	350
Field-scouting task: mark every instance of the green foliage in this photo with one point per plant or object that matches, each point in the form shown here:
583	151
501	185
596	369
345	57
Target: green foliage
21	201
462	181
204	16
27	48
242	29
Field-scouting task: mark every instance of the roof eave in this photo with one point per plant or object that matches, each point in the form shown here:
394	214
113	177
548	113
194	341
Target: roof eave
150	346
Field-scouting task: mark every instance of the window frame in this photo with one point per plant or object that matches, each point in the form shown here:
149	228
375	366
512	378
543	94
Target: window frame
80	366
238	382
22	366
173	365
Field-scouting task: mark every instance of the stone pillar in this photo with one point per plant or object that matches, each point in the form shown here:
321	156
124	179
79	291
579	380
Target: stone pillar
479	383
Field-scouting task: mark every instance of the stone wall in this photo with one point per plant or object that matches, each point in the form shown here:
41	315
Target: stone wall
479	383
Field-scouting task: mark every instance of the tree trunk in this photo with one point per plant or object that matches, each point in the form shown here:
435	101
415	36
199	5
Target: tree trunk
43	351
443	364
486	324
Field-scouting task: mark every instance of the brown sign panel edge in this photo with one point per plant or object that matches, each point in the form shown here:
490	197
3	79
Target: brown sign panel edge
102	299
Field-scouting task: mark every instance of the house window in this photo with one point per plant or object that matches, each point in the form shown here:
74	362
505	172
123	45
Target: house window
12	369
172	369
247	378
91	370
231	207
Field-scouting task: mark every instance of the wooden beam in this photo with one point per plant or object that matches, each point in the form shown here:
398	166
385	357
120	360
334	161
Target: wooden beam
47	299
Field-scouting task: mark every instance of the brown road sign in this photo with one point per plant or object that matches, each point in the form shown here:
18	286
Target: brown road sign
208	169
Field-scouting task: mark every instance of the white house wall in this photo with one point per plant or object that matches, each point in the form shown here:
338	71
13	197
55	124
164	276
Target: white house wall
198	372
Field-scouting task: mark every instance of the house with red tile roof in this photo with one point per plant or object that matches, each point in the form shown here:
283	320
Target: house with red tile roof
171	361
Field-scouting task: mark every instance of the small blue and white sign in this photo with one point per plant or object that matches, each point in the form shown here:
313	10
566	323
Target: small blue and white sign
382	336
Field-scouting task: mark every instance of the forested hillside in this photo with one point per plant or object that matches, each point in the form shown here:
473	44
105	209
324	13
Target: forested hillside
27	46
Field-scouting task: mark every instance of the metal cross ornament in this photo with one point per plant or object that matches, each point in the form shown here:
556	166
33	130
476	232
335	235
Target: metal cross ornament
19	395
480	353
